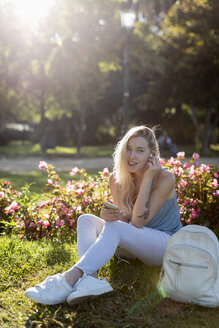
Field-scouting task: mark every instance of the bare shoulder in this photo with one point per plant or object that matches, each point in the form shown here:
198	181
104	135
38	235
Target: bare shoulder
112	181
112	178
167	178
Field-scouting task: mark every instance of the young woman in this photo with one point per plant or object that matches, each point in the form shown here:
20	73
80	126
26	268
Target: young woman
148	215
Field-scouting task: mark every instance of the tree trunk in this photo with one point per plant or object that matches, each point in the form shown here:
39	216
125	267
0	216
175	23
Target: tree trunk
207	132
42	109
81	129
196	125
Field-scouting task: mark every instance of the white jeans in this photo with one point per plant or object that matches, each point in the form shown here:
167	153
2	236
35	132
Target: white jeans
98	240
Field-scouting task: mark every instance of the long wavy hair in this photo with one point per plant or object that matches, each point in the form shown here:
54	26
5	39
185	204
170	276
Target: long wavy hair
120	169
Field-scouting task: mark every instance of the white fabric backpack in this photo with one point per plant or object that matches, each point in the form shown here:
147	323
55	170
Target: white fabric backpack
190	271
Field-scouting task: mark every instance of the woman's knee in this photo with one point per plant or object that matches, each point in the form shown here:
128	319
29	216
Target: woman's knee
114	225
90	220
84	219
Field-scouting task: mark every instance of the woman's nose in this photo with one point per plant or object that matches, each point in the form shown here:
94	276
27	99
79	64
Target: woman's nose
132	154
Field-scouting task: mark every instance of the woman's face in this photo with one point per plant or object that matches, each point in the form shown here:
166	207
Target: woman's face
137	152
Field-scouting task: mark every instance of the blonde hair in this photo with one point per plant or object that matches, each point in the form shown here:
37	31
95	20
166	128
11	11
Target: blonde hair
120	169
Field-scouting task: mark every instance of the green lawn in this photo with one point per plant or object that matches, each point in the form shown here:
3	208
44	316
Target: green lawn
18	148
26	148
133	303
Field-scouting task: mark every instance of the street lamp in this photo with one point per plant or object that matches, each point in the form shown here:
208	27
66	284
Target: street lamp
128	13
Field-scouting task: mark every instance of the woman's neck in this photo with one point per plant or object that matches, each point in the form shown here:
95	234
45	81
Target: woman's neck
137	181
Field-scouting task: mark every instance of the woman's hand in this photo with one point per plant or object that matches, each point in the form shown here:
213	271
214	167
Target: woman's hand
108	214
153	167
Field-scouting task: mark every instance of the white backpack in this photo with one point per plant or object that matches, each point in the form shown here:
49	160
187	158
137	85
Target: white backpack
190	271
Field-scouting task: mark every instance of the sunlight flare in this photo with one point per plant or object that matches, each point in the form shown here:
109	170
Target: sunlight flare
32	11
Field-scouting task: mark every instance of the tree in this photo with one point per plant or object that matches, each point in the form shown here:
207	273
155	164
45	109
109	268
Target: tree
189	52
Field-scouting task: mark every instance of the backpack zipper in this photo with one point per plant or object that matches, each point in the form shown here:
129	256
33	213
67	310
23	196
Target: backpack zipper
200	250
198	266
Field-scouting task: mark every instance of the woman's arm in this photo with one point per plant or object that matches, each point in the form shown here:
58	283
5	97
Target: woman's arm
115	191
148	204
112	214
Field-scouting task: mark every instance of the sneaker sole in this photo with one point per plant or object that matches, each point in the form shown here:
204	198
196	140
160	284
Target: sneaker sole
84	298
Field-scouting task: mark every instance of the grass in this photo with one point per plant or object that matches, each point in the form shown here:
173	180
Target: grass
133	303
26	148
18	148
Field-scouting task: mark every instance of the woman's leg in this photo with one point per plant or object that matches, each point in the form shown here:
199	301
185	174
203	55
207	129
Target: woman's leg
89	228
146	244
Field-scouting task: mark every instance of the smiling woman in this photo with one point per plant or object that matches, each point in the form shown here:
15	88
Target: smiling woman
31	11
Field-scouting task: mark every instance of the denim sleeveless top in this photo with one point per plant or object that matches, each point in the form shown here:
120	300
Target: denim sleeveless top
167	218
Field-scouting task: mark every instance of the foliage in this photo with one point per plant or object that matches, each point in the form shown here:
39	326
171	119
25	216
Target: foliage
56	215
197	191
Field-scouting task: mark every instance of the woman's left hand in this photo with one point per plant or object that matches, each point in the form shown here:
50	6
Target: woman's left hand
153	167
108	214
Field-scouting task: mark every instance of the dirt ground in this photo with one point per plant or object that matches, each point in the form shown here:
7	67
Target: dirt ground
28	164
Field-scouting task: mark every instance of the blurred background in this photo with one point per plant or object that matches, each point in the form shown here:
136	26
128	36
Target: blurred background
79	73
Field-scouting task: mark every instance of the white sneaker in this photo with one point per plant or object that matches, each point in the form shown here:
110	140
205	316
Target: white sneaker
88	287
53	290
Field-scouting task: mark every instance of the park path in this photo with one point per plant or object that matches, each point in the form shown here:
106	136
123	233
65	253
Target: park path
28	164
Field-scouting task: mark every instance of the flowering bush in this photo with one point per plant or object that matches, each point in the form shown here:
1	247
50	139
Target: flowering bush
8	205
197	191
56	213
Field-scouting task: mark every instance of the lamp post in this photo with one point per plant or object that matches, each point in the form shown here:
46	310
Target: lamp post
128	13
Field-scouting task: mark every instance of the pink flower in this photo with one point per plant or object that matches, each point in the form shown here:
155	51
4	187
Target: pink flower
39	222
58	222
205	168
106	171
191	171
216	175
162	161
181	155
195	156
62	223
79	191
186	165
183	183
71	223
44	203
86	201
43	165
214	183
2	194
179	171
74	171
13	207
174	161
216	193
194	214
69	186
32	224
46	223
79	208
49	181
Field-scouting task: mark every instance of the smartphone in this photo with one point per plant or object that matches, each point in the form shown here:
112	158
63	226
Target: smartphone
110	205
